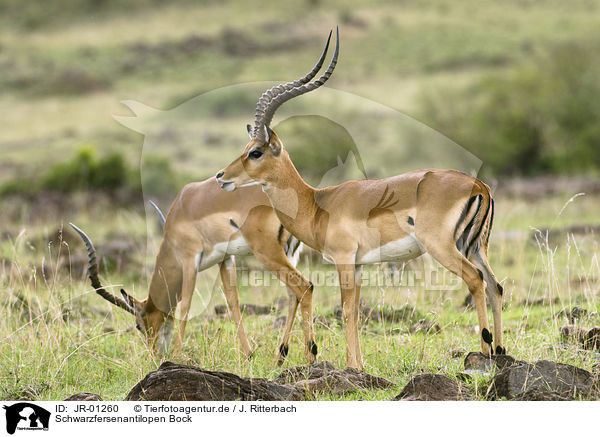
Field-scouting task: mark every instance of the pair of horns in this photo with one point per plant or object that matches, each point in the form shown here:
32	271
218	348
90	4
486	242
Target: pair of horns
276	96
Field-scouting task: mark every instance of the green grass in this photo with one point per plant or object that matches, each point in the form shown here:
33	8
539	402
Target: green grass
60	338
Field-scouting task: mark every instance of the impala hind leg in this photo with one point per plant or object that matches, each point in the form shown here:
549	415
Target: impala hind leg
187	292
448	255
494	294
230	289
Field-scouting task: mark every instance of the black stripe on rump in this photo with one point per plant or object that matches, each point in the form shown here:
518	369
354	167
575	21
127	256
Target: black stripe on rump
461	242
473	243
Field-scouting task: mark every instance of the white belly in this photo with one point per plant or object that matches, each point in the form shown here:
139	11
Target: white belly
400	250
221	251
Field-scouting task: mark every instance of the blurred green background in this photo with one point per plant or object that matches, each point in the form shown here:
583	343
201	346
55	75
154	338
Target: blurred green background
516	83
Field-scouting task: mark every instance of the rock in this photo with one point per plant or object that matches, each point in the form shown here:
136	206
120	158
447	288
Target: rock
544	300
457	353
295	374
323	377
479	362
573	314
405	313
469	302
573	333
248	309
592	338
425	325
515	381
279	322
434	387
323	321
588	338
542	395
172	382
84	397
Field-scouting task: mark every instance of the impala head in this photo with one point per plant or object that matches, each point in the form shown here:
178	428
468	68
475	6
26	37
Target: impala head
148	318
264	158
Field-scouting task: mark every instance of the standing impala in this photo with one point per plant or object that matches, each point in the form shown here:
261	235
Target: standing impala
442	212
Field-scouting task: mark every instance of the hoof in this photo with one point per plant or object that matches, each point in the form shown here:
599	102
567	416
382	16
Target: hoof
282	354
312	347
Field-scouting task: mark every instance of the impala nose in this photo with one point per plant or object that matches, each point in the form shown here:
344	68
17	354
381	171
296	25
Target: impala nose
219	175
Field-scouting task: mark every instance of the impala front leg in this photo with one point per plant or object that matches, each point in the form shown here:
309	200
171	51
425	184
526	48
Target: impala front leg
283	349
187	291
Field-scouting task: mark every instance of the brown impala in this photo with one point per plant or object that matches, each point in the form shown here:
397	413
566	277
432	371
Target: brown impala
442	212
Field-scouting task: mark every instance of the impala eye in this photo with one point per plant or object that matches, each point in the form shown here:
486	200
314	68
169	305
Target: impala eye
138	327
255	154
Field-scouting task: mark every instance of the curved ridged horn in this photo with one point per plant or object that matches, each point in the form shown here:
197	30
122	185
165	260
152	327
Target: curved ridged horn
263	119
159	213
93	274
281	88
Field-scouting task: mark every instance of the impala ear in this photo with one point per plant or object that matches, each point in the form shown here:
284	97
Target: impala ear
268	133
275	145
249	129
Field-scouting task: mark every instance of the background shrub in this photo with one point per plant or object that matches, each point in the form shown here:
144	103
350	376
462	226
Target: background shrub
541	116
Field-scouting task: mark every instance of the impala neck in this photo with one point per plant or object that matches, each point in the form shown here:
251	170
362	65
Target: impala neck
294	203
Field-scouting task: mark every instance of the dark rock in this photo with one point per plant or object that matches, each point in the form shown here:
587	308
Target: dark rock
592	338
279	322
425	325
322	377
469	302
433	387
324	321
542	395
457	353
248	309
298	373
172	382
573	333
84	397
405	313
544	300
588	338
566	380
573	314
478	361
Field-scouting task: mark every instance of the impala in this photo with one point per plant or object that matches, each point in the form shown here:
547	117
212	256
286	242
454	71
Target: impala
207	226
441	212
